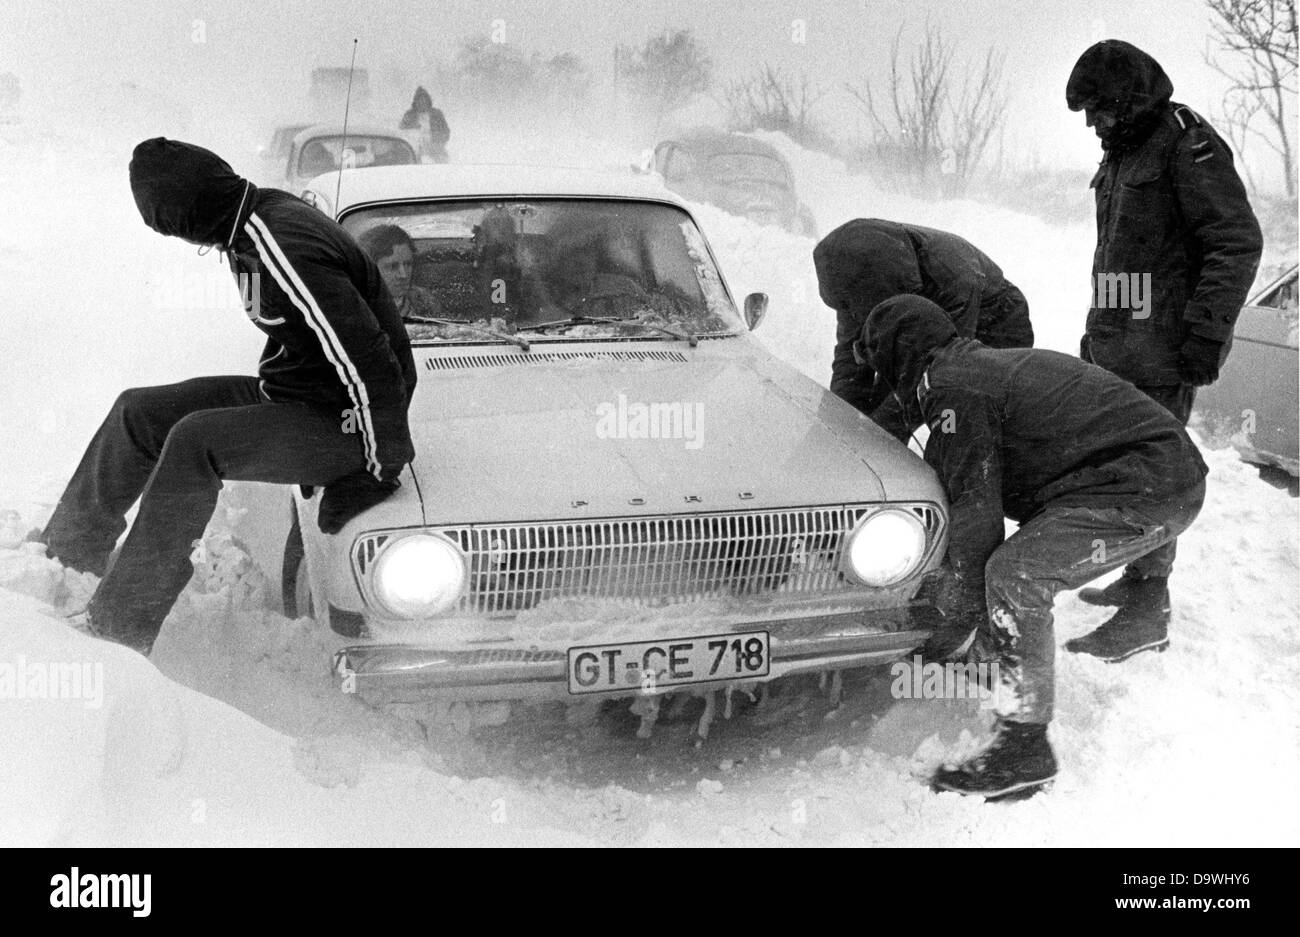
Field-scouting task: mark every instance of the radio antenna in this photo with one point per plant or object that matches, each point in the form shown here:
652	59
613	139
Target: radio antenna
347	108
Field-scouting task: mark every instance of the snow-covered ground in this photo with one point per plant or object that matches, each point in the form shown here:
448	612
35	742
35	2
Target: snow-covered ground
234	732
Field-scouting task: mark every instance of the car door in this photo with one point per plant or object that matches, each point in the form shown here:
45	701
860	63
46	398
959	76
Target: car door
1256	399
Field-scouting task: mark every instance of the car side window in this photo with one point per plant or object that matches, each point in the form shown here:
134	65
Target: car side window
680	167
1283	296
316	159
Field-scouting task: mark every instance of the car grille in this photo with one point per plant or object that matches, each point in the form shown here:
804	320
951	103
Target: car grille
652	561
462	362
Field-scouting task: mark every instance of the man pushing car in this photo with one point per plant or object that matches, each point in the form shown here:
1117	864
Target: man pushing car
865	261
328	407
1096	472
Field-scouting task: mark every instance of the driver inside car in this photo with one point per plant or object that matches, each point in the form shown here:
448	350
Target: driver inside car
618	270
509	267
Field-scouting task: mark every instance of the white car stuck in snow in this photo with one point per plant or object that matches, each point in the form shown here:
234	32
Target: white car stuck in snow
616	489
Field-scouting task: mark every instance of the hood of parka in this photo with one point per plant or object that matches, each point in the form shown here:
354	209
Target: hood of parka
1121	79
185	191
900	336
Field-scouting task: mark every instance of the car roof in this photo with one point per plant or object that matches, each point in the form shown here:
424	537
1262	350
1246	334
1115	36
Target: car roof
450	180
710	139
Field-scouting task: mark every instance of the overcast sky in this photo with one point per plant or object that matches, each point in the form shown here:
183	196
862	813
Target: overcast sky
256	51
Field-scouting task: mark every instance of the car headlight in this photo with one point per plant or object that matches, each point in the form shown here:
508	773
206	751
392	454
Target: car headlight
418	575
885	547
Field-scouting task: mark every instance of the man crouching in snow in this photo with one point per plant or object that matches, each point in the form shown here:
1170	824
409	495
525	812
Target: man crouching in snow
1095	472
336	347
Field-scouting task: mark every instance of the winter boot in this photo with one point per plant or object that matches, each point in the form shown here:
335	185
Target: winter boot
1141	624
1115	594
1016	764
83	622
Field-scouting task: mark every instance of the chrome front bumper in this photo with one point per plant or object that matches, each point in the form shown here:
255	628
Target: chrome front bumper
801	645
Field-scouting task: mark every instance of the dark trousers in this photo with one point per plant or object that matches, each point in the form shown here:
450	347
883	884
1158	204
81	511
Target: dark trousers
1063	548
172	447
1178	400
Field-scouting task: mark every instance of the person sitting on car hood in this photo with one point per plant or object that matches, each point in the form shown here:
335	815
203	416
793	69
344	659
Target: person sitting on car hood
866	261
328	406
1095	472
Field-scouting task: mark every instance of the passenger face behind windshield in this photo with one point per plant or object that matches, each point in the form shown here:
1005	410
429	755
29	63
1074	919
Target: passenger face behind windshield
396	269
393	252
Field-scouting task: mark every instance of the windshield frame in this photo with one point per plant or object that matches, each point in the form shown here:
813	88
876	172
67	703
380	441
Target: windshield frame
539	338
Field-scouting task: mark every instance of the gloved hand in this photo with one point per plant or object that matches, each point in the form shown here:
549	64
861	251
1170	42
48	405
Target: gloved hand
346	497
1083	348
951	636
963	609
1198	360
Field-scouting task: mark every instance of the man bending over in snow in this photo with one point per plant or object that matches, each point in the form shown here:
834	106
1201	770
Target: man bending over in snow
865	261
1096	473
335	347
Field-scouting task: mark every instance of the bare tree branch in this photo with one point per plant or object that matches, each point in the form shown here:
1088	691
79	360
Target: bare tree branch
1259	36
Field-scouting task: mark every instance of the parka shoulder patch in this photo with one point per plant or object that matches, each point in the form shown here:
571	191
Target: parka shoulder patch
1186	117
1197	144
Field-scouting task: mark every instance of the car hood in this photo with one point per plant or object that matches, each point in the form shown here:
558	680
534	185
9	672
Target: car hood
632	429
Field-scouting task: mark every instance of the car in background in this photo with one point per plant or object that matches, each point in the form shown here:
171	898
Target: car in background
299	153
737	173
1255	402
273	158
617	490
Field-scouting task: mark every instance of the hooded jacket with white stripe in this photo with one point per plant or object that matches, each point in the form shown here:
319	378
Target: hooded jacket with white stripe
334	336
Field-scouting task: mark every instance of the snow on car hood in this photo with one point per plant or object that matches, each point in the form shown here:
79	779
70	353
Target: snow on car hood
572	434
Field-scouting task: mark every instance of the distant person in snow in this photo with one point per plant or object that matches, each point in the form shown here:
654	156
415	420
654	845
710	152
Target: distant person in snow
866	261
1177	251
1096	473
335	349
393	251
430	125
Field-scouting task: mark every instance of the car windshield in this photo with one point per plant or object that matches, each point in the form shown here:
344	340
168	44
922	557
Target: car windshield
748	166
560	268
326	154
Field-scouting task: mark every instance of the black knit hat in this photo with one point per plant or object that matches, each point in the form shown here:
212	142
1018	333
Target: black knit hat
185	191
899	335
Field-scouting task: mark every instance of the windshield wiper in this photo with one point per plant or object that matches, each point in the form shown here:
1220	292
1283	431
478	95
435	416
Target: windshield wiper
505	337
612	320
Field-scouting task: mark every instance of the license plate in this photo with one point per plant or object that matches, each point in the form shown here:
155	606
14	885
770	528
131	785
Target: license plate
656	665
